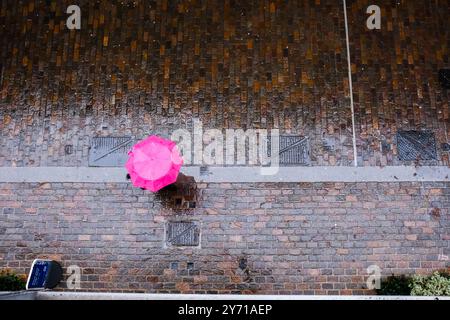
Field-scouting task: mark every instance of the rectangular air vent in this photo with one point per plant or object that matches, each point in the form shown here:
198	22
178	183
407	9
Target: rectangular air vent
444	78
416	145
294	150
109	151
182	234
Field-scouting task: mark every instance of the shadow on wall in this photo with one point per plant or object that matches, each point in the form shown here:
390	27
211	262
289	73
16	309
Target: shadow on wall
181	195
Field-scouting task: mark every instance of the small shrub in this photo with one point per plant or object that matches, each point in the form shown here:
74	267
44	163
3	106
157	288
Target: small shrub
395	286
438	284
11	282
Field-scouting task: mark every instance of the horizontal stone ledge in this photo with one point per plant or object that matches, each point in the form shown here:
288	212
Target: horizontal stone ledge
234	174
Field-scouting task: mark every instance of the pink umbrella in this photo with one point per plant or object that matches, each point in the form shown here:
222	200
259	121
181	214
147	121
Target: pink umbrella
154	163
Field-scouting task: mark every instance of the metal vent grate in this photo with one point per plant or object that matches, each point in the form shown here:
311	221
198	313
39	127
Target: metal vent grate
109	151
293	150
182	234
416	145
444	78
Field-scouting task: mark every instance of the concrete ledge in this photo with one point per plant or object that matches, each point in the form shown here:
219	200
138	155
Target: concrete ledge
18	295
50	295
233	174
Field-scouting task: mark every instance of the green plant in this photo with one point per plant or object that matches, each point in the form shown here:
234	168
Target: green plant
438	284
11	282
395	286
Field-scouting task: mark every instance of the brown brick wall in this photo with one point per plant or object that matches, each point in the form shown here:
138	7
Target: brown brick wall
140	67
303	238
395	74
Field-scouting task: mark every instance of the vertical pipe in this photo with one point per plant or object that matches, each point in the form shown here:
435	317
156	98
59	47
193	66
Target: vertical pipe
352	106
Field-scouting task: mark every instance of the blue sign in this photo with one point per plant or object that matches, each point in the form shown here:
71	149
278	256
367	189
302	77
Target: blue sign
38	274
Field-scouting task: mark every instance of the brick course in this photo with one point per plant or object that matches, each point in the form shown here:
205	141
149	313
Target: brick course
297	238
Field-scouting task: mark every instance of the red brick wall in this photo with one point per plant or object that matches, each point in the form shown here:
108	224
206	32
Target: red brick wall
297	238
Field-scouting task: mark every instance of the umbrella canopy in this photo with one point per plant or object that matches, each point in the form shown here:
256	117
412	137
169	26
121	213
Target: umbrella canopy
154	163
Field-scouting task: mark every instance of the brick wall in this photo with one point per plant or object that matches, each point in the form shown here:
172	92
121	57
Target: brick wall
307	238
141	67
